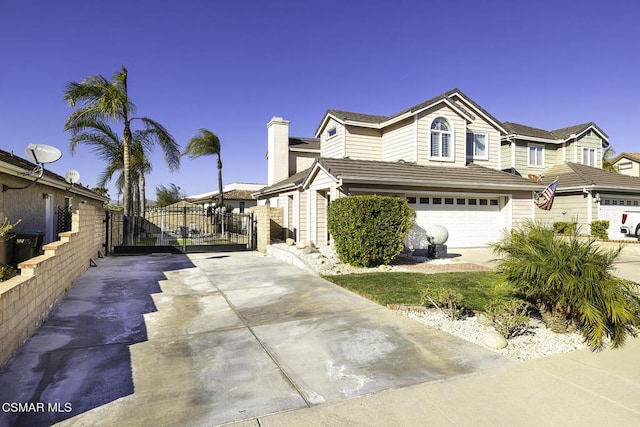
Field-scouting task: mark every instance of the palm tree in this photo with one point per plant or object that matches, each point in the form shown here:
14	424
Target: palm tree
102	100
607	157
206	143
109	147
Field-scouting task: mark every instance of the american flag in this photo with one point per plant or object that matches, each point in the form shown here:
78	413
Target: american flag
544	200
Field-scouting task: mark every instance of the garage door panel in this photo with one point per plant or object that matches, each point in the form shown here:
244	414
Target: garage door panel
468	225
611	212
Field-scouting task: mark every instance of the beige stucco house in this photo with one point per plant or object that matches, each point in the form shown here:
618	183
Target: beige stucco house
37	206
456	164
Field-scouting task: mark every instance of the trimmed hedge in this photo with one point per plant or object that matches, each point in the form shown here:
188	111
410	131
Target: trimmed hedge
599	229
369	230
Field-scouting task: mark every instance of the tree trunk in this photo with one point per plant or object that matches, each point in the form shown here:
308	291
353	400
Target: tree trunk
143	196
220	193
126	145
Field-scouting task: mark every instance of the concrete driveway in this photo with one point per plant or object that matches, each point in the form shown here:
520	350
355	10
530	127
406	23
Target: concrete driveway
235	336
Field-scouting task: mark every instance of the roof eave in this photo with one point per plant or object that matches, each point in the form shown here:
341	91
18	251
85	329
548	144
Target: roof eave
447	184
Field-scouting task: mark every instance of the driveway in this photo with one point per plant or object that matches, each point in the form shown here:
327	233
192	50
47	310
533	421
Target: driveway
235	336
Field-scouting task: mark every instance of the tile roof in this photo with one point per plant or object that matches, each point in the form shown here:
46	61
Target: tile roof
378	119
558	134
26	165
630	156
398	173
574	175
286	184
306	143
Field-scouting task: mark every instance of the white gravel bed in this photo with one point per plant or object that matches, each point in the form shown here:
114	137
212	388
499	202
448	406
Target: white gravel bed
538	342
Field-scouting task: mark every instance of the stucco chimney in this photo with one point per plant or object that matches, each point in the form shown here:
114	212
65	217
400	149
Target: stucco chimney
277	150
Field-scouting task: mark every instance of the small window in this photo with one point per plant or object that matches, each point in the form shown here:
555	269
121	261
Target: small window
624	165
480	146
241	207
614	202
437	201
424	200
621	202
635	203
589	156
607	202
448	201
473	202
460	201
536	155
411	199
628	202
331	132
483	202
493	202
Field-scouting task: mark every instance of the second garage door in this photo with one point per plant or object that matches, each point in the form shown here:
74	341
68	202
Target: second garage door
471	221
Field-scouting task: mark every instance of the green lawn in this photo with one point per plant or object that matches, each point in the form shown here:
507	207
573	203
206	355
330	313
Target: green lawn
477	288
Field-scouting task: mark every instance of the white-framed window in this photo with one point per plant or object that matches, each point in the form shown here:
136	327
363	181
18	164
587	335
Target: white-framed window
624	165
332	132
588	156
535	155
480	145
441	140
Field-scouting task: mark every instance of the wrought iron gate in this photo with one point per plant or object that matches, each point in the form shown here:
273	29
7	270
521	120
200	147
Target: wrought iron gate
184	228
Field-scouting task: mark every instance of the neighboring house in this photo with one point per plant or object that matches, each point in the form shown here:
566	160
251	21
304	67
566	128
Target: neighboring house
456	164
41	206
236	195
627	164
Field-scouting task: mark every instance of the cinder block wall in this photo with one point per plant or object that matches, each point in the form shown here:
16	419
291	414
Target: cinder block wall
28	299
269	225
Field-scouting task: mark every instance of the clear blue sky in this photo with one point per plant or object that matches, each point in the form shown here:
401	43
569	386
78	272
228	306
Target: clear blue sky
230	66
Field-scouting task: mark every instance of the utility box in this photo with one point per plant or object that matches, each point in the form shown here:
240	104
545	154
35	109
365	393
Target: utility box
27	245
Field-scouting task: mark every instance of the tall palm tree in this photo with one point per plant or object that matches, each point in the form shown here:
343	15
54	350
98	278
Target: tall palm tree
108	146
101	101
206	143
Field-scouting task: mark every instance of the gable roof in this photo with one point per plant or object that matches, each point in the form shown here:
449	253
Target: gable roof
288	184
16	166
403	173
631	156
379	121
574	176
558	135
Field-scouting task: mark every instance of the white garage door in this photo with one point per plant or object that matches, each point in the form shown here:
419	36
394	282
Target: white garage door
611	208
471	221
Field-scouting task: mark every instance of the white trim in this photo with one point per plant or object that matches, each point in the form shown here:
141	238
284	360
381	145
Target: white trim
452	143
308	228
304	150
296	215
513	154
575	151
486	148
530	138
344	141
589	209
564	151
415	134
509	211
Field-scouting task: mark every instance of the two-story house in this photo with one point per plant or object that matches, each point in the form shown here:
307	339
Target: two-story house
456	164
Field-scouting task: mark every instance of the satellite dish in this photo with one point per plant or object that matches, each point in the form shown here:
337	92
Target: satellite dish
72	176
41	153
534	177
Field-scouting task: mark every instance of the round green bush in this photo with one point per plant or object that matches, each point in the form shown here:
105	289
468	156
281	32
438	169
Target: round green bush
369	230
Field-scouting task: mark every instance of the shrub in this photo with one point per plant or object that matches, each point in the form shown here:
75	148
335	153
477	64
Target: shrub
599	229
510	318
7	272
569	278
369	230
564	227
447	300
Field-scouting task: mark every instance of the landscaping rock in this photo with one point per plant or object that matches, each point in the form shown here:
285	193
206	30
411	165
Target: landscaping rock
309	250
305	244
290	242
494	340
483	320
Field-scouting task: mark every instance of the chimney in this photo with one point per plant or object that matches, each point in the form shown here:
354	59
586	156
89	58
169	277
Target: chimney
278	150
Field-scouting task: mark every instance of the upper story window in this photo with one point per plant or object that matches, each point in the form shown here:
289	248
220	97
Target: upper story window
624	165
478	145
589	156
441	139
331	132
535	155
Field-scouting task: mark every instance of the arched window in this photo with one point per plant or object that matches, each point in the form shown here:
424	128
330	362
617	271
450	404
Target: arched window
441	139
